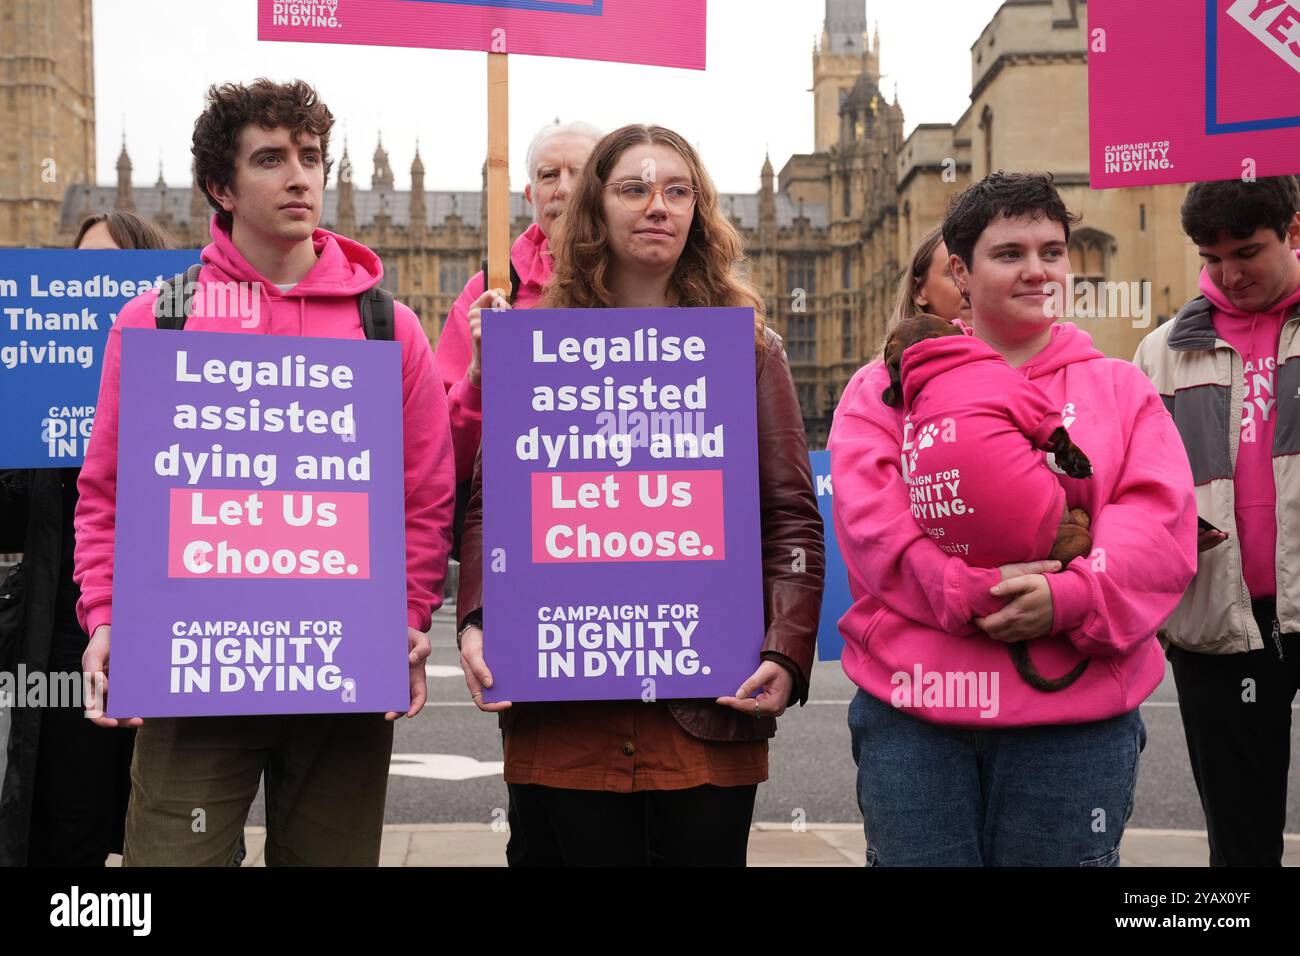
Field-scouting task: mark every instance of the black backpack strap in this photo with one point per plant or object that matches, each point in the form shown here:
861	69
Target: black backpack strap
376	307
176	300
514	280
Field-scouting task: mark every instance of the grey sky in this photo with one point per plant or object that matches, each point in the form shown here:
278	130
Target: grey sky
155	58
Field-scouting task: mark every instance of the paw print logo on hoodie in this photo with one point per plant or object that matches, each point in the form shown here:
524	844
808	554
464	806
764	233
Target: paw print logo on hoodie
923	441
1068	414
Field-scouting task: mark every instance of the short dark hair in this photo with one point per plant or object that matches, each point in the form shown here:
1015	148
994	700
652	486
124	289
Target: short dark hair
995	196
233	106
1239	209
129	231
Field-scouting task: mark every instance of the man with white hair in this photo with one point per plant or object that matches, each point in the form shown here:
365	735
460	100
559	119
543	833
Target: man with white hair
555	158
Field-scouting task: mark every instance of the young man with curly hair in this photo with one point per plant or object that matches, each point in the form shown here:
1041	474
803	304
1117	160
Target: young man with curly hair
261	155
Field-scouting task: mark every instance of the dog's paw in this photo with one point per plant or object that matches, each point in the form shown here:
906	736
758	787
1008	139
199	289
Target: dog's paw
1075	464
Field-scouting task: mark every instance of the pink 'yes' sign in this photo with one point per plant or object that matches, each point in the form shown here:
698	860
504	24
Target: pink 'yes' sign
656	33
1193	90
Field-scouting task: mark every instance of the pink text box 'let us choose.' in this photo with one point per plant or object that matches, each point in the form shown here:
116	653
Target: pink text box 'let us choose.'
269	535
590	517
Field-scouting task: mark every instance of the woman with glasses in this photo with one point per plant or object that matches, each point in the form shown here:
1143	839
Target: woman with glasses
672	782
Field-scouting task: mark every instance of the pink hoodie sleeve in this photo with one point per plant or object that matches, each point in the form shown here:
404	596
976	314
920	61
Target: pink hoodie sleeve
464	399
1144	542
1032	411
430	474
884	547
95	521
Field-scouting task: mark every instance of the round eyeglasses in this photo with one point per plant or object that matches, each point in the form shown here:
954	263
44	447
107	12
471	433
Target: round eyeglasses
637	194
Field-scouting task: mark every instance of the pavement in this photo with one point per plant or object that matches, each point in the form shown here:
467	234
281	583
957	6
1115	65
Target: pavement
446	764
770	844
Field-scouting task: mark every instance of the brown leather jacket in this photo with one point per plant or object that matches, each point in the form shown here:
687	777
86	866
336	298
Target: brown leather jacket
790	525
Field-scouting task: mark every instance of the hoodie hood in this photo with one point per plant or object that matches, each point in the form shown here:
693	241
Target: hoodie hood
344	267
1221	303
531	255
1069	344
322	303
933	357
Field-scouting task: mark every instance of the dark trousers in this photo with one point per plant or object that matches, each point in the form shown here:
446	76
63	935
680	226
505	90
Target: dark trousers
82	779
1236	711
700	826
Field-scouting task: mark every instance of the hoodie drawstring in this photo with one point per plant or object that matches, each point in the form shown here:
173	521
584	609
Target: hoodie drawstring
1250	351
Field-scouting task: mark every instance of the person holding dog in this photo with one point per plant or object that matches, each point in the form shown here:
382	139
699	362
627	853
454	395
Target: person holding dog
960	761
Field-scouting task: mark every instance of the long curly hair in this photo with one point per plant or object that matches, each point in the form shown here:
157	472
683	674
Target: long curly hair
709	272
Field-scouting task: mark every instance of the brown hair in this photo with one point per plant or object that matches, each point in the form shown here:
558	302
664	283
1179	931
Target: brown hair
1002	195
233	106
915	277
708	272
128	230
1235	209
905	306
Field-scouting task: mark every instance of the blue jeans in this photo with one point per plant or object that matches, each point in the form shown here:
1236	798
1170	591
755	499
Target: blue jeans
1057	795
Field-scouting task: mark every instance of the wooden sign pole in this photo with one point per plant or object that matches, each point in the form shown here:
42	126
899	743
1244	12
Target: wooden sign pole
498	172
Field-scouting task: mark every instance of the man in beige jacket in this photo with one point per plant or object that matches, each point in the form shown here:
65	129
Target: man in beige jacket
1228	368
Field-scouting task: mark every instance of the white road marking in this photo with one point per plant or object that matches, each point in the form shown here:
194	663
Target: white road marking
442	670
443	767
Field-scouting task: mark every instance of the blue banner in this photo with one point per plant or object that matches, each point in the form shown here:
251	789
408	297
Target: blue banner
835	599
56	307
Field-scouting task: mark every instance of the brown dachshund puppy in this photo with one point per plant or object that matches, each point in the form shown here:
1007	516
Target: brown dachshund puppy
906	334
1073	538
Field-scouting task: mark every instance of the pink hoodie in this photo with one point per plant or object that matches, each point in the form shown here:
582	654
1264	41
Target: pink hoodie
976	484
328	292
1255	337
913	604
532	260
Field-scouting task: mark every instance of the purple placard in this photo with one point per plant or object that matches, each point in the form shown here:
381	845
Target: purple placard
264	588
621	558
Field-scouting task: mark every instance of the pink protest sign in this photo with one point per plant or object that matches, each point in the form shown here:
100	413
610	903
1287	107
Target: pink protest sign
658	33
1193	90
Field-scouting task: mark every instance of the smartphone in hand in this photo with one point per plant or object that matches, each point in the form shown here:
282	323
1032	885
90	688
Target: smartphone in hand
1207	535
1201	524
